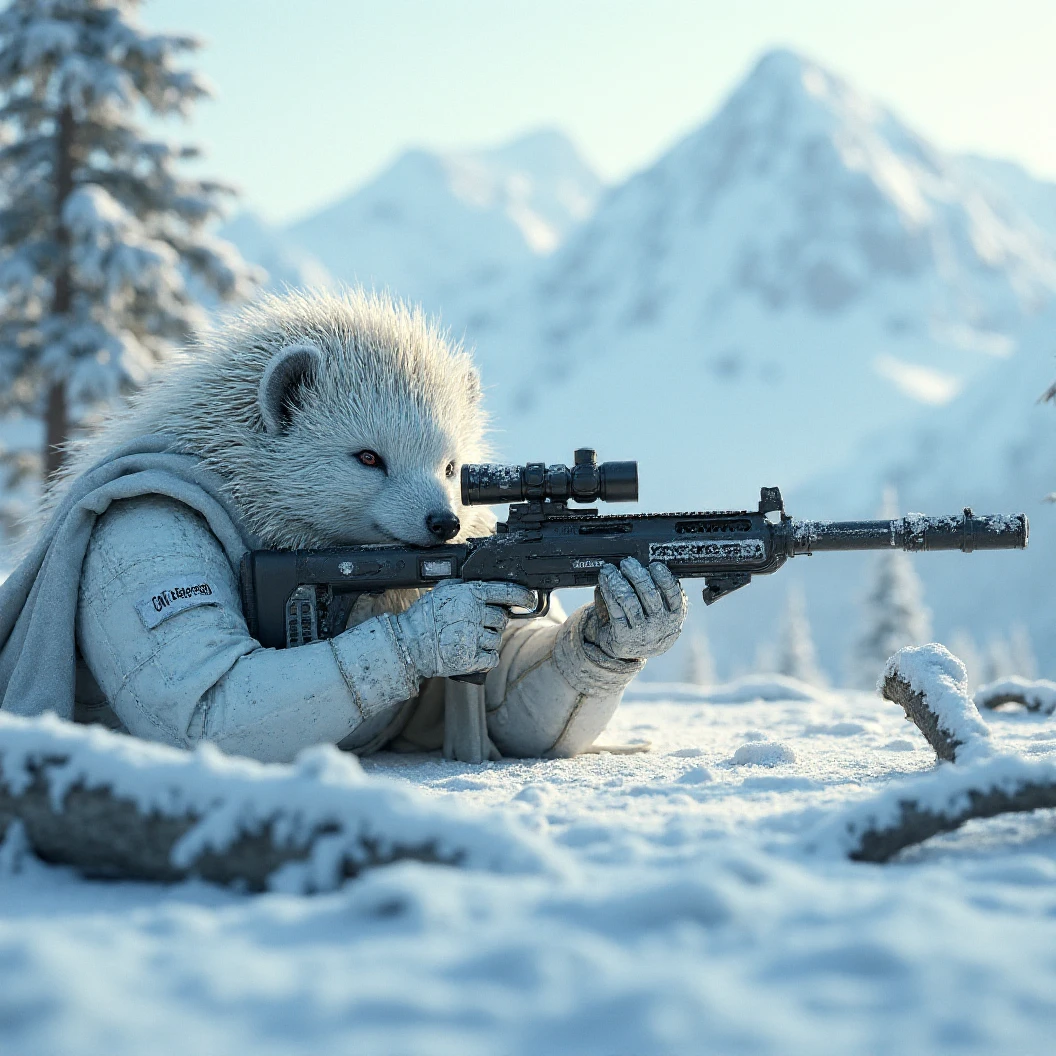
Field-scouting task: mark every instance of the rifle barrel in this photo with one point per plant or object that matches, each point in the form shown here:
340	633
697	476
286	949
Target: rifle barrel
916	531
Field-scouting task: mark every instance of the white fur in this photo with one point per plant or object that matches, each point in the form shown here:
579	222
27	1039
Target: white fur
388	380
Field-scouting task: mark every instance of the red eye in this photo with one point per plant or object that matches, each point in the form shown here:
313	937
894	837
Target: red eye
370	458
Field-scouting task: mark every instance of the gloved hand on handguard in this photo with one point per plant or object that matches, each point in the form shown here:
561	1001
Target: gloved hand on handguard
638	612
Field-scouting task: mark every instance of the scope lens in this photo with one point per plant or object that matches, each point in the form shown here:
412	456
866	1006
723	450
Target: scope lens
619	481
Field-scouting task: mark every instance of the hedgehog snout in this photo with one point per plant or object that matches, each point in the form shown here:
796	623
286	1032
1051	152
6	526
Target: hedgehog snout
416	508
443	524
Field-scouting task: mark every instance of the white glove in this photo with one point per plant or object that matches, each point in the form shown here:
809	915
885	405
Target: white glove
457	627
638	612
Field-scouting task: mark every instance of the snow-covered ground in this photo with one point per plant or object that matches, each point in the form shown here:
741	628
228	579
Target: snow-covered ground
680	911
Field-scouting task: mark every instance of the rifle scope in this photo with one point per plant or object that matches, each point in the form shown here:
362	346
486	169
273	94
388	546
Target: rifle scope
587	481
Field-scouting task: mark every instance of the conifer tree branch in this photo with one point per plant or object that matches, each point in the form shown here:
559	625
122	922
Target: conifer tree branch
79	322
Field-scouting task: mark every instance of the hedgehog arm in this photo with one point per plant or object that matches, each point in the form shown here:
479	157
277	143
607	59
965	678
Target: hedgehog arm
553	692
160	626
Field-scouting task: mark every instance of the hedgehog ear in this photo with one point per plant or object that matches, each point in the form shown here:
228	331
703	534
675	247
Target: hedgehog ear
290	370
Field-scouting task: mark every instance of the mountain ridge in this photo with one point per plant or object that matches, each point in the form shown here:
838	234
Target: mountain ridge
442	227
794	293
802	264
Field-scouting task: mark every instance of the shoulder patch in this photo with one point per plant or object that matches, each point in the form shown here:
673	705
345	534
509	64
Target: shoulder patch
172	598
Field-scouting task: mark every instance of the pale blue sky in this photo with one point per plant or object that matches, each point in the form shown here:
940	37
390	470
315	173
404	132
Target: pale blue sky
314	96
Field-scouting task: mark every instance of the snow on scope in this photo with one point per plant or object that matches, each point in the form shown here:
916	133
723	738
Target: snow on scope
586	481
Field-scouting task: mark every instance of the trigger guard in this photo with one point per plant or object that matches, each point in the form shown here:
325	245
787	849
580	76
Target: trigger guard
542	607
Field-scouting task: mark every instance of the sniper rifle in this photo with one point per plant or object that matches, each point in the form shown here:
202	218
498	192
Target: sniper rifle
292	597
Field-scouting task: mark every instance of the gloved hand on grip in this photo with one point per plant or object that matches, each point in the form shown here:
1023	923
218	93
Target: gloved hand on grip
638	612
456	628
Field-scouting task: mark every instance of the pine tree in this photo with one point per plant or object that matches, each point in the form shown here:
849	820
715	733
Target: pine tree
700	666
103	253
765	660
796	656
998	661
895	614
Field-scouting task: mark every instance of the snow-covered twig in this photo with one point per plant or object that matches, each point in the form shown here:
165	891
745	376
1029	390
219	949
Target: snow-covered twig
931	686
941	801
112	806
1037	696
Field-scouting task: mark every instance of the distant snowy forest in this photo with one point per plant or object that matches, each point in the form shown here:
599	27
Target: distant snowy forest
802	292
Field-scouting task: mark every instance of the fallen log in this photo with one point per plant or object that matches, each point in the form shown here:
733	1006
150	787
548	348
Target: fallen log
114	807
928	809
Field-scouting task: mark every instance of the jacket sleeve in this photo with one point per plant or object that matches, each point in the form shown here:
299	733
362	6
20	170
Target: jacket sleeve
552	693
160	626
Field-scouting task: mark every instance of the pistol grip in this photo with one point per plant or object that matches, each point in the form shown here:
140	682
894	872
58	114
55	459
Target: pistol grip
476	677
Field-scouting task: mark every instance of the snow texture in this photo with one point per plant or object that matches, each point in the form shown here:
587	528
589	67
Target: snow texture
692	915
931	686
743	691
450	230
763	753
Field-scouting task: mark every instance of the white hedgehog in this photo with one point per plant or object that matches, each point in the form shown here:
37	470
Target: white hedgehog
311	421
367	376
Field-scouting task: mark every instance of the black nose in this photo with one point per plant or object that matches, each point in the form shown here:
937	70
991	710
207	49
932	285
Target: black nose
444	525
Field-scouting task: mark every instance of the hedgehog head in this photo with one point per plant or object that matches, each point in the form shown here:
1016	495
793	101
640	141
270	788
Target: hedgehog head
334	420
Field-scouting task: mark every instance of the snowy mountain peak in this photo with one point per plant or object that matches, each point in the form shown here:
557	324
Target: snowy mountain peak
843	195
803	261
539	181
793	119
444	228
802	195
783	81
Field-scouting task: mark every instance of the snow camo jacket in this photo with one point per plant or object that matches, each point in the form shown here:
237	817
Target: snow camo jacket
165	653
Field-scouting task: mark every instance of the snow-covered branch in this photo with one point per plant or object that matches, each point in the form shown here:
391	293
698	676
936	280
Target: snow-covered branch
112	806
1039	696
941	801
930	684
932	687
